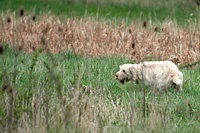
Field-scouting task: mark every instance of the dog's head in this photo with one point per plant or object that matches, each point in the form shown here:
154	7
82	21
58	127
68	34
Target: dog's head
126	73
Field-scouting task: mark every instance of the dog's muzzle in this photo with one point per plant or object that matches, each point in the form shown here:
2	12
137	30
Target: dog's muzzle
137	82
123	80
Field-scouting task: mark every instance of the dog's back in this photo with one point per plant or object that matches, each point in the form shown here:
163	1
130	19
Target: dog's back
160	74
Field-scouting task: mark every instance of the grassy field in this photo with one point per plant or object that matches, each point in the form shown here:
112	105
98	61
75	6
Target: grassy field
58	72
65	92
181	10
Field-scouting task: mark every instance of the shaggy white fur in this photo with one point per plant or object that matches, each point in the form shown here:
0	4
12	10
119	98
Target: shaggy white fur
158	75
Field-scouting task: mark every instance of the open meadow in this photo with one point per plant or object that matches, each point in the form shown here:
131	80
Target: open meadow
58	61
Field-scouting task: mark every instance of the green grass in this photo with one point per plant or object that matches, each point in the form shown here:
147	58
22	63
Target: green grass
44	81
65	92
180	10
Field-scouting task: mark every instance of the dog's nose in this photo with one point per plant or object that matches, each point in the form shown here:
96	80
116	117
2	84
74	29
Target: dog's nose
116	75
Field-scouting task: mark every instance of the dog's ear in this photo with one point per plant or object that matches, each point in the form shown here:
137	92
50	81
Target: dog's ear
133	68
134	72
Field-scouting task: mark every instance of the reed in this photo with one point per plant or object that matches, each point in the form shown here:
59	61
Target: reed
98	38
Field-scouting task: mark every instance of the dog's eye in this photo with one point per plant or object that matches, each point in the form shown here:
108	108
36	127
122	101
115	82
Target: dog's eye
124	71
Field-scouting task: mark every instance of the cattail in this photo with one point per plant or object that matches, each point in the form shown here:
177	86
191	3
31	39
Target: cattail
43	40
33	17
1	49
59	29
8	19
144	24
21	12
11	90
134	52
155	29
33	48
20	48
197	2
133	45
5	87
129	31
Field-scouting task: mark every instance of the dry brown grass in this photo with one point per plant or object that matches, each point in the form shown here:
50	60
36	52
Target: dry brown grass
96	109
95	38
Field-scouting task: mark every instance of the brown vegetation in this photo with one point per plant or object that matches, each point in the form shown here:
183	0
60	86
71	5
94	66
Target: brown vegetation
93	38
32	104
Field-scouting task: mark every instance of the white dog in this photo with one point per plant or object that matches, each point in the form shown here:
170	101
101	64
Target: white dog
159	75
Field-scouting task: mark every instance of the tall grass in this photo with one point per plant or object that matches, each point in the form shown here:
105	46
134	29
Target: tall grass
58	76
90	99
94	37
